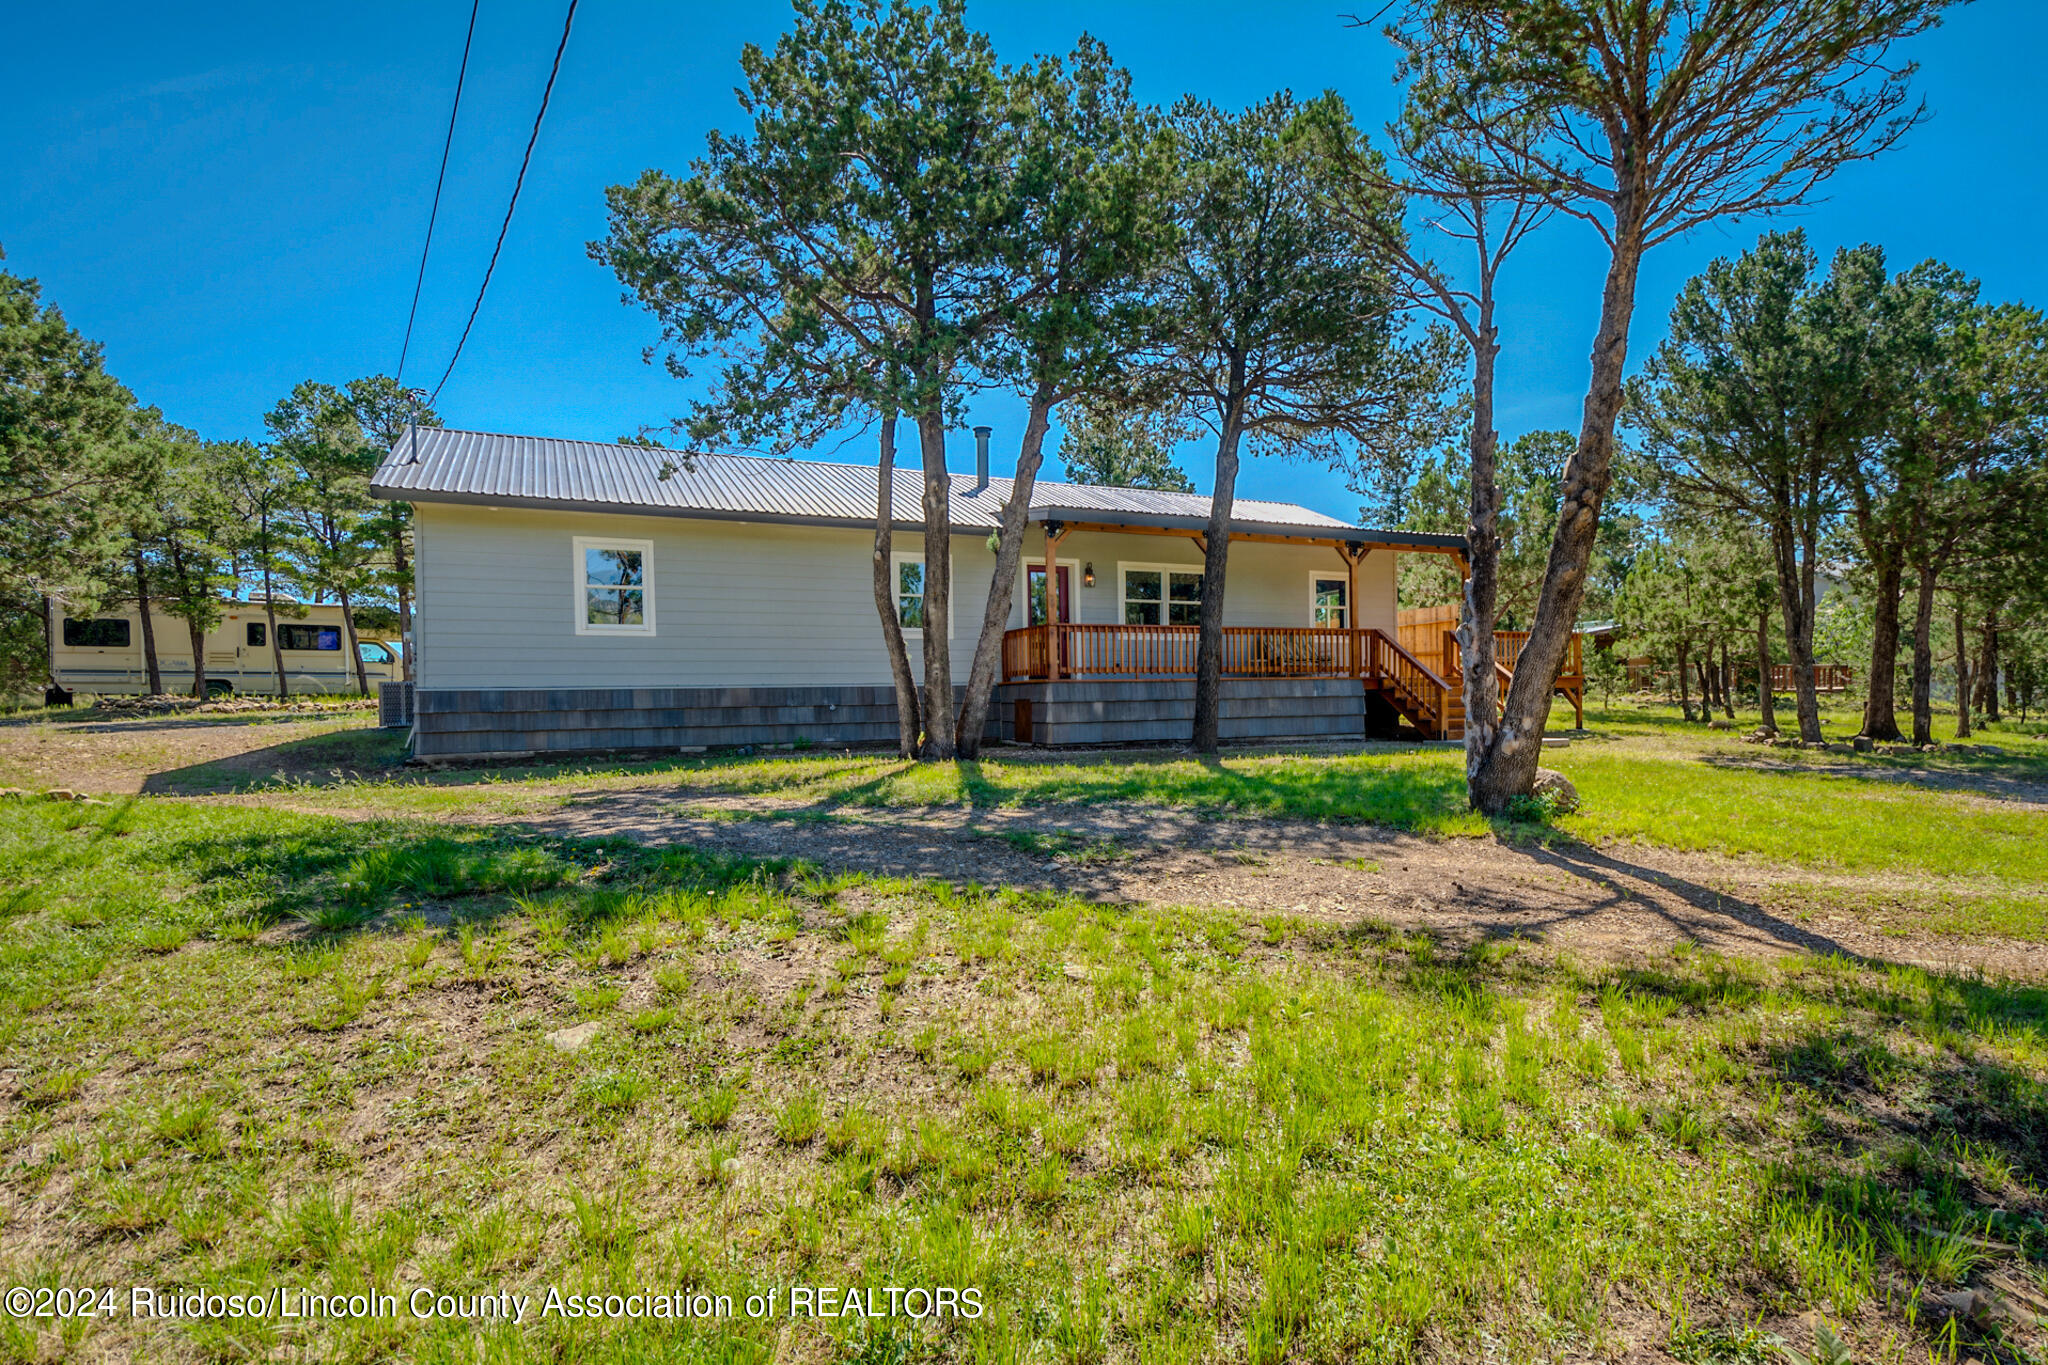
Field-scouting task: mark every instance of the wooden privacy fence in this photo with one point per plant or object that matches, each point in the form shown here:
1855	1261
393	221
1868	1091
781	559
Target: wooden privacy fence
1421	632
1429	633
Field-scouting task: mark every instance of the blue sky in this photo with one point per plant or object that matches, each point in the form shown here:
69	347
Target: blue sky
235	202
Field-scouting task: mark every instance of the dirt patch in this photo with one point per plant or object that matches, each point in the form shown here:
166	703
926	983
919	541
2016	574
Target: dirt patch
1620	902
186	751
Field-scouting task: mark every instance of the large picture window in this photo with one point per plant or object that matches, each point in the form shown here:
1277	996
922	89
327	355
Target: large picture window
106	633
614	586
1161	596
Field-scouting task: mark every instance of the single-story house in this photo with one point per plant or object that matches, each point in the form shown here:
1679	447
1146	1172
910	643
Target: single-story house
580	596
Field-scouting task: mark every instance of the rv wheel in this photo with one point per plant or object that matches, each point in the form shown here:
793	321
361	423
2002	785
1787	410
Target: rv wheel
219	687
54	695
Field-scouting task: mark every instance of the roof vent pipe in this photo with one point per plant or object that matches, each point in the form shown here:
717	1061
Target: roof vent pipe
981	435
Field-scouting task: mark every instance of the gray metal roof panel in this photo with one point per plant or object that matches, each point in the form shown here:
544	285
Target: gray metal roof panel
485	467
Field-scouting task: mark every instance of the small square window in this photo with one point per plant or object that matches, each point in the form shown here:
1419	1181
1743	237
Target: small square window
614	586
256	637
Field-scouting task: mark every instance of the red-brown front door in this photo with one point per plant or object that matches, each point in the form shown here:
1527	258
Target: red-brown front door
1039	610
1035	594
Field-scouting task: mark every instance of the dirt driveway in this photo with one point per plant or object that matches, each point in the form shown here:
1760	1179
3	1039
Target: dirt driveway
207	749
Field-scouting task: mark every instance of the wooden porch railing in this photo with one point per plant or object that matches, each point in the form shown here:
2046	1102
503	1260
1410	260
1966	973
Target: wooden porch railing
1424	691
1826	677
1078	651
1083	651
1508	646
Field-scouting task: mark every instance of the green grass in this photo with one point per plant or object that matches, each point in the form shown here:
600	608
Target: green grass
1812	819
1212	1139
1645	775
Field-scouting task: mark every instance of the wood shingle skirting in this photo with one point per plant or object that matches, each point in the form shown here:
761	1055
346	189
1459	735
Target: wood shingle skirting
480	722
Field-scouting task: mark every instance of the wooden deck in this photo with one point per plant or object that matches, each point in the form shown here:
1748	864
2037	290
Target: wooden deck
1826	677
1431	698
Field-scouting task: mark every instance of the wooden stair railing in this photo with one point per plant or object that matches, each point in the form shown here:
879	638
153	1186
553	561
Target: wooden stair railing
1427	696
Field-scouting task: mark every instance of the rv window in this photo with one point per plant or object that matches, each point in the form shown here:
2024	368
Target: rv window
257	639
309	637
103	634
614	586
373	653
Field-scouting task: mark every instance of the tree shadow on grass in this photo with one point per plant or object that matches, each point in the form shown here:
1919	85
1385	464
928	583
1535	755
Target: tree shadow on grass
2009	778
327	760
1696	913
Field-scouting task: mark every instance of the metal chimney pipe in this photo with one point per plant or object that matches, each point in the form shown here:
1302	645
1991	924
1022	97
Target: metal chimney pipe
981	435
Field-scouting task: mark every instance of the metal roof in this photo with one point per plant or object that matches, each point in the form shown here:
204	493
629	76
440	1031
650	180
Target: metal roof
487	468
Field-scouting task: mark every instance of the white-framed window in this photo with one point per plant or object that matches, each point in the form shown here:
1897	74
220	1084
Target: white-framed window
614	586
1160	594
1329	600
907	572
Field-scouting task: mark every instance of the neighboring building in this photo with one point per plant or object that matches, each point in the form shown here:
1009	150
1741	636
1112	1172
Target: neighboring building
103	653
573	595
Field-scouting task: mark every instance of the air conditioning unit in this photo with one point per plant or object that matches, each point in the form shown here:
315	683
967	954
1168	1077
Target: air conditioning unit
394	705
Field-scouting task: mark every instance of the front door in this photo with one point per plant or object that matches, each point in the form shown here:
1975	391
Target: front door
1039	610
1035	594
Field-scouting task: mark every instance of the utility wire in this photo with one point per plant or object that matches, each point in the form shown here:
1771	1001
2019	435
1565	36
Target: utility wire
461	73
506	226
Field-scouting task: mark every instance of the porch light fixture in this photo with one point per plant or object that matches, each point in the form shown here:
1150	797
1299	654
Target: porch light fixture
1088	575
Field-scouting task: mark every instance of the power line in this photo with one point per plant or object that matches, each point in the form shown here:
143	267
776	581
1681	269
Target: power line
506	226
461	74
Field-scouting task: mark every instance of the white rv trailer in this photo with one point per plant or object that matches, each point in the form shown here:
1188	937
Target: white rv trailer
103	653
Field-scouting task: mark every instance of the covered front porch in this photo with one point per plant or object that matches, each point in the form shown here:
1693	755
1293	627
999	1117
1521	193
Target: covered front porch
1121	669
1373	664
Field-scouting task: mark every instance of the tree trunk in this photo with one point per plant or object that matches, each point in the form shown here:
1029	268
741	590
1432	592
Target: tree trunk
1880	704
995	616
1727	682
149	661
270	626
1962	675
908	719
1509	767
1482	548
1764	702
198	635
348	621
1923	660
938	585
1215	562
401	582
1684	697
1796	605
1706	669
1987	671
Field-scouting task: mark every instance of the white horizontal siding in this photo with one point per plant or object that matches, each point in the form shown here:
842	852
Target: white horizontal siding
748	604
1265	584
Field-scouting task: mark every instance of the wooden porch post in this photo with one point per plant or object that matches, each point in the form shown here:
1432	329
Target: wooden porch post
1353	556
1054	598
